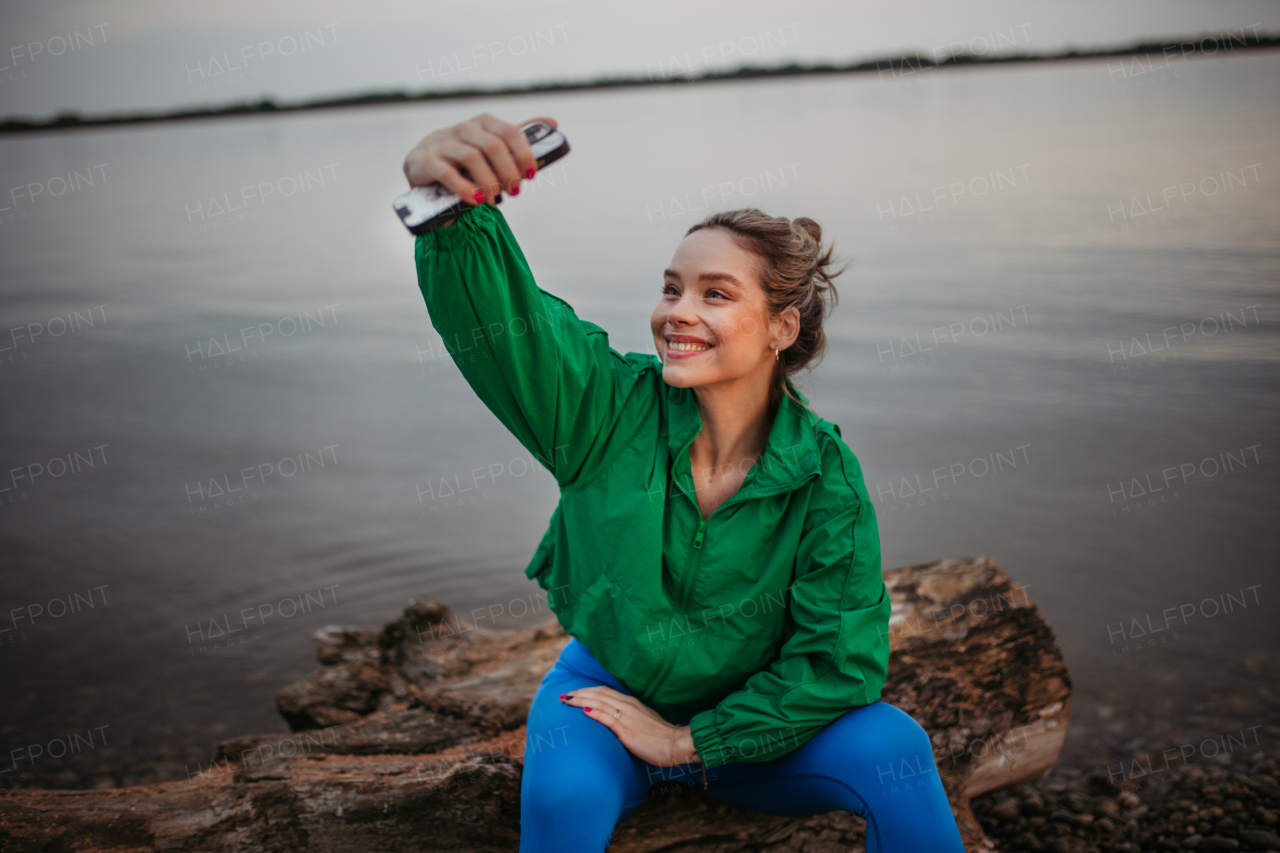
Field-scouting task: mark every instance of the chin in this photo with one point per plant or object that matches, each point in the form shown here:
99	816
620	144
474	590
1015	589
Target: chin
679	375
677	378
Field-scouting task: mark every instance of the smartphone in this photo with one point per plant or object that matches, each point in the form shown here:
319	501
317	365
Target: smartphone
426	208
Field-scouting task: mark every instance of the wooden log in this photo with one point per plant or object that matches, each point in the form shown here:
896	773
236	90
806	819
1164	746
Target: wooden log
410	738
973	661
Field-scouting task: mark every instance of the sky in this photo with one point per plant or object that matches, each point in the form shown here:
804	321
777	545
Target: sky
99	56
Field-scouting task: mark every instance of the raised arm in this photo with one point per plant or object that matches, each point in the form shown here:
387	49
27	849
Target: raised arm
551	378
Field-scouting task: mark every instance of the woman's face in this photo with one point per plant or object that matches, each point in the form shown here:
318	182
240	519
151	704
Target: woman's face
711	324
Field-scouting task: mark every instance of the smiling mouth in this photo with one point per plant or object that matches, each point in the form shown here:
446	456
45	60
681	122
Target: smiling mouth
686	346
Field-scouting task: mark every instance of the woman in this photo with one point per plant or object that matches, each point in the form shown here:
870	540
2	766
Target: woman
714	554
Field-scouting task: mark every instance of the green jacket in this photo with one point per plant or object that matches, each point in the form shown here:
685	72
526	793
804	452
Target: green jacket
760	624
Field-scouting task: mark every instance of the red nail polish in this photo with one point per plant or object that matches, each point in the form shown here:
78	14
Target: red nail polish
529	173
586	709
515	190
478	195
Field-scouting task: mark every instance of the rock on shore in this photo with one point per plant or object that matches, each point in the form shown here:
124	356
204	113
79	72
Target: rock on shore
1205	808
410	738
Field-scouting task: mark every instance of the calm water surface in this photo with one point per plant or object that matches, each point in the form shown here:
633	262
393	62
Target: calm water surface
1018	260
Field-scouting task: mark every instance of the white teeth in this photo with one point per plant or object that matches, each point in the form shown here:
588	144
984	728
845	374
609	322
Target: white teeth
682	346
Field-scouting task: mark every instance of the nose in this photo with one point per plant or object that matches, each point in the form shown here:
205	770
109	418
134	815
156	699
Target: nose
682	313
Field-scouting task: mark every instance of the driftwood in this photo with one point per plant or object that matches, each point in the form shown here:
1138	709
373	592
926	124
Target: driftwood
410	739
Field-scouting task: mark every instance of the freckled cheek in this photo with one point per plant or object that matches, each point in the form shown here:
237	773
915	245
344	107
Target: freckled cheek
731	350
738	332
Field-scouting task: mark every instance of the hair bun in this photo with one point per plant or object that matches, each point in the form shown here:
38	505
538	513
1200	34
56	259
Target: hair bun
821	260
808	227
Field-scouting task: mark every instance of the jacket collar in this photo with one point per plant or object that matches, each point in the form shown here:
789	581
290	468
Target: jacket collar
790	454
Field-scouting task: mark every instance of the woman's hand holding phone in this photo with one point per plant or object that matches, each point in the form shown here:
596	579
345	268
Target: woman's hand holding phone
477	159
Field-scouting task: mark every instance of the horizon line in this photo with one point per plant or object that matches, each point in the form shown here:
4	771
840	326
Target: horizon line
897	65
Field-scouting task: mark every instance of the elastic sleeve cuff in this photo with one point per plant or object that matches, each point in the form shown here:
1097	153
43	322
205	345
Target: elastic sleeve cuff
706	738
457	234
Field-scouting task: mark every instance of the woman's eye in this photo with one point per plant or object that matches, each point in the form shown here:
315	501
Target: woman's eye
709	292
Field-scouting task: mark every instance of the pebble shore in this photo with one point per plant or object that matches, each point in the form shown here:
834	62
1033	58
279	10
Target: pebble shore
1207	807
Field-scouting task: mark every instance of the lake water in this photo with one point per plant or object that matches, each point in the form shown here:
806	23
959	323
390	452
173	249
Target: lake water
1064	286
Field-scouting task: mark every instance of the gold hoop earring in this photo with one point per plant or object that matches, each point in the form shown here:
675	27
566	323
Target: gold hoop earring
776	357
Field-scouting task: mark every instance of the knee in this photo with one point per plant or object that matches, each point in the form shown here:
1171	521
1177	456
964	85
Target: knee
901	734
885	735
902	727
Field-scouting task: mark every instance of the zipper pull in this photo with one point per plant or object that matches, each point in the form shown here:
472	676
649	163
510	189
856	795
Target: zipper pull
697	540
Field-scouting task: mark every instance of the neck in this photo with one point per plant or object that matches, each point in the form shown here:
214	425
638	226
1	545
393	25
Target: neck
736	420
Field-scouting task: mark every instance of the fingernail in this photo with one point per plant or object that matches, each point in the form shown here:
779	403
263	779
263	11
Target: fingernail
586	709
529	173
515	190
478	195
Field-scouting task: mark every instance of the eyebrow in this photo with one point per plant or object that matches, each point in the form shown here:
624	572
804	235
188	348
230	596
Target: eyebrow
706	276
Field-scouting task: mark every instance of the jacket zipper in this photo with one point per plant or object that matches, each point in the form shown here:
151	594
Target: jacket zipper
702	528
697	544
738	498
696	569
668	656
697	540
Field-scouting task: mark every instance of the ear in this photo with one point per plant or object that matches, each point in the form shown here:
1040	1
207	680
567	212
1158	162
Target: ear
788	327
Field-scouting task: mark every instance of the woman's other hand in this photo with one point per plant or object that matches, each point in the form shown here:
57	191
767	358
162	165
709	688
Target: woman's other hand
477	159
640	729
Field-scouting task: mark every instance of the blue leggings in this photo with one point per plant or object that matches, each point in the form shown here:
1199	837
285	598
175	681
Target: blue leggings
580	781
